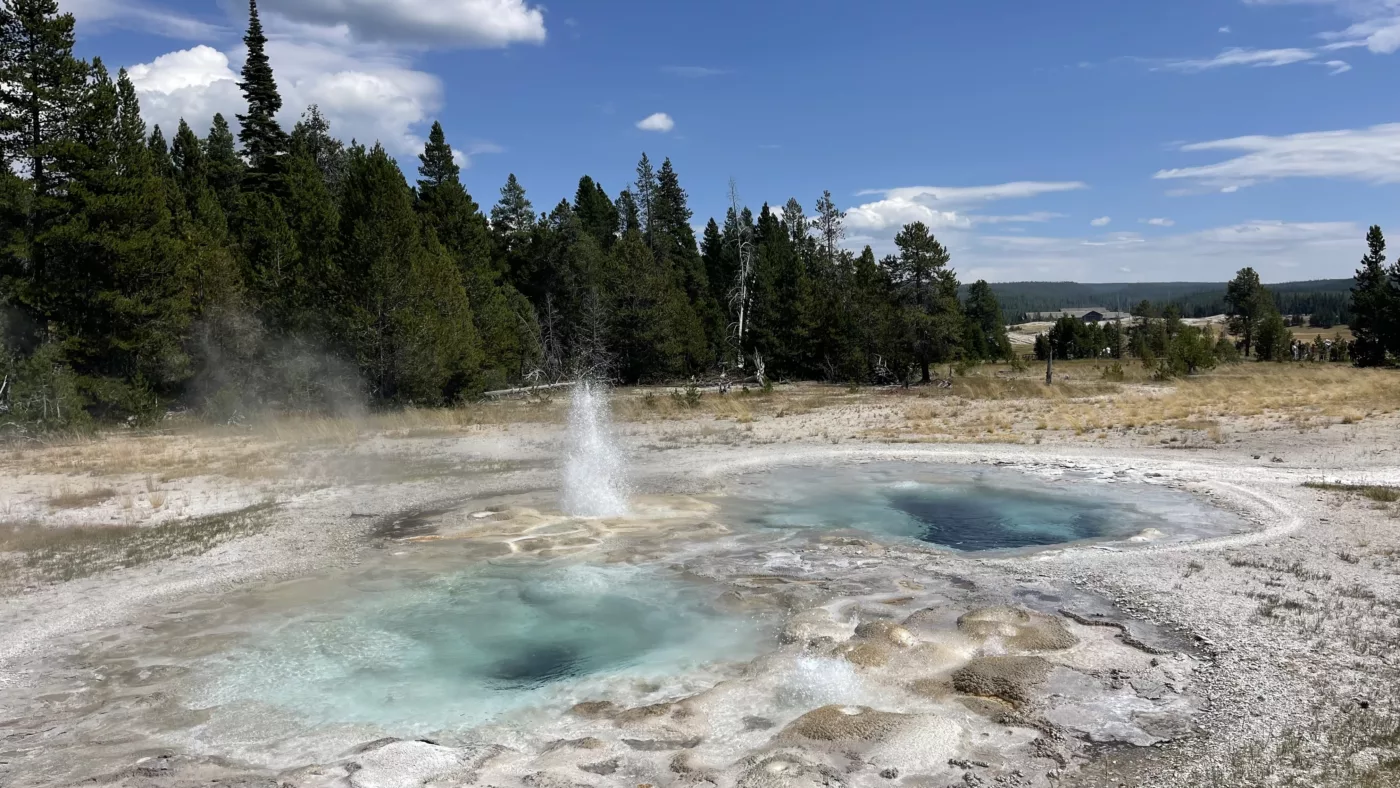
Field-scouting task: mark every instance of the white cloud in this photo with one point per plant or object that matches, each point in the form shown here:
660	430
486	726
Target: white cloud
1225	29
659	121
139	16
1159	222
1237	56
962	195
467	23
1370	155
1338	67
1102	221
1376	26
945	207
365	97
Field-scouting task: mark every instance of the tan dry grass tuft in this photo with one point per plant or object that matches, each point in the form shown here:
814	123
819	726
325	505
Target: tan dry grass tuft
81	499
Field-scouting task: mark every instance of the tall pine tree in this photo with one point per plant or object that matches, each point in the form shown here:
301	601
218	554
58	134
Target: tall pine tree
262	136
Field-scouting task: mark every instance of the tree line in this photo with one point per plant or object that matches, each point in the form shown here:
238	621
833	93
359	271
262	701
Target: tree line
288	269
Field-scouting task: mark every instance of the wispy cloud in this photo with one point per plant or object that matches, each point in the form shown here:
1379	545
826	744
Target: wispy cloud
693	72
1370	155
1238	56
659	122
1225	29
1159	222
1102	221
143	17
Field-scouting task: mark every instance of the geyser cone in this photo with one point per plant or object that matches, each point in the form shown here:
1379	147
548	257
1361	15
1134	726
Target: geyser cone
594	473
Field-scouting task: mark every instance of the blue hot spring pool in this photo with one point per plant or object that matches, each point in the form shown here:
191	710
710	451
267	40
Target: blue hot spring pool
971	509
474	646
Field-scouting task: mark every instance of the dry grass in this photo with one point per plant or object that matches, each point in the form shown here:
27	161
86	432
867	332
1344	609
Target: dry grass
32	553
1376	493
80	499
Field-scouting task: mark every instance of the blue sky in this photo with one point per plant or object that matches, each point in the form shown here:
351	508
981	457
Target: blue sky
1096	140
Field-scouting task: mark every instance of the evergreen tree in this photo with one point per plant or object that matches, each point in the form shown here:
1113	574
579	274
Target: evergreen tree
262	136
127	309
406	312
1375	298
1274	339
986	330
629	217
226	168
596	212
43	93
828	227
1249	303
311	137
499	310
675	238
513	217
643	195
929	292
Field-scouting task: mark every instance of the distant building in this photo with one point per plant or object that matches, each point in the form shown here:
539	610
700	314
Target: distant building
1089	314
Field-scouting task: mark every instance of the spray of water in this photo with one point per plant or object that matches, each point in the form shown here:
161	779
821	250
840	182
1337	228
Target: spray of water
595	482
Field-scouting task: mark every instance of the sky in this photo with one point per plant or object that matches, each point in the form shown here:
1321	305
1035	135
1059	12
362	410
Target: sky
1088	140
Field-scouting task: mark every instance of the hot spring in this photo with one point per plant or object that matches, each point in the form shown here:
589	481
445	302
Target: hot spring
473	647
970	509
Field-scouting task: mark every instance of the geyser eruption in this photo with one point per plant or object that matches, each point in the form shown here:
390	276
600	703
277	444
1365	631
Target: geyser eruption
594	482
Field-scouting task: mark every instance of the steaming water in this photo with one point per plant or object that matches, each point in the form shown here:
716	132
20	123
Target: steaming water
594	473
971	509
477	646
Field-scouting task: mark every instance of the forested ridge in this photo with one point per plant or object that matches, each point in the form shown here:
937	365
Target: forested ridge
144	268
1328	299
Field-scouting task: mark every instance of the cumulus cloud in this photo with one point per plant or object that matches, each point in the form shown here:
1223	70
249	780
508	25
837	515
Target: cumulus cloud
659	121
367	99
466	23
1102	221
1371	155
941	207
1159	222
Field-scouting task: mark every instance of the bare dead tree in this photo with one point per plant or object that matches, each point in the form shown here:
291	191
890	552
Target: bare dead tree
741	292
551	344
591	359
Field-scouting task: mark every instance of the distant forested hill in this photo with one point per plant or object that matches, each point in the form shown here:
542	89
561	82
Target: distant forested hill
1194	299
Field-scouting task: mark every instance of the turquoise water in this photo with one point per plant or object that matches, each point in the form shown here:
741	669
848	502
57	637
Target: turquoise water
968	509
468	648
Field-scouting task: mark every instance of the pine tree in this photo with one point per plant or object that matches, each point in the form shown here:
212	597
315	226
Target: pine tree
986	330
929	293
225	167
596	213
1375	298
262	136
512	218
215	278
629	216
128	311
43	89
673	241
311	137
1249	303
405	310
458	223
643	195
828	226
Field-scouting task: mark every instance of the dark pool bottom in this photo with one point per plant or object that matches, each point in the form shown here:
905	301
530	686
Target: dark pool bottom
970	509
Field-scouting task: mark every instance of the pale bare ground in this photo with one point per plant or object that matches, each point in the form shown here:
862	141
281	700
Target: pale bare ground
1313	617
